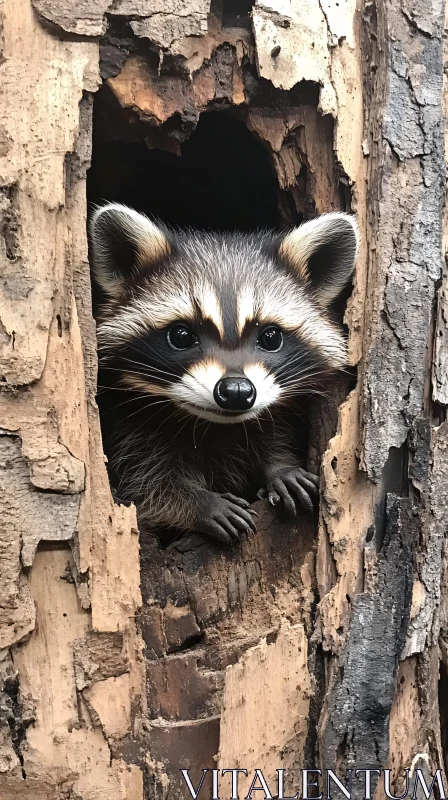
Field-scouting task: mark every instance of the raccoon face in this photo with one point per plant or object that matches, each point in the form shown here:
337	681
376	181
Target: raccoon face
223	325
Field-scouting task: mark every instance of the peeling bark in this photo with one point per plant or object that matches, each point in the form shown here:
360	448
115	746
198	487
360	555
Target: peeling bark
162	22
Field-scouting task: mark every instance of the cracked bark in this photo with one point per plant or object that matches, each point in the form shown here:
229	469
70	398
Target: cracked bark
310	645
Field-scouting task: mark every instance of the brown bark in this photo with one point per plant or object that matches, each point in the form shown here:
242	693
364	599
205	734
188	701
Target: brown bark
318	644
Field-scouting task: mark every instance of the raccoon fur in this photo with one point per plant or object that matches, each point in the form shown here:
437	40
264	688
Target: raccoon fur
206	344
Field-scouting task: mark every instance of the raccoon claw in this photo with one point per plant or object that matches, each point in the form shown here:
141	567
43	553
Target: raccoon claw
239	501
294	487
225	517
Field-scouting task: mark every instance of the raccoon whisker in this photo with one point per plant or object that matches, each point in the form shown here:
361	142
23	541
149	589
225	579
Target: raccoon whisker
259	424
203	435
163	360
111	388
298	359
137	363
247	438
272	419
306	379
258	421
289	374
152	368
131	400
203	422
301	385
306	388
181	428
149	375
135	372
303	371
138	349
148	406
154	373
154	377
194	431
303	394
322	371
134	397
164	380
301	389
295	380
126	389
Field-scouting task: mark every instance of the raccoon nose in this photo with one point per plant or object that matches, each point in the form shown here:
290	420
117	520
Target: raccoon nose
235	394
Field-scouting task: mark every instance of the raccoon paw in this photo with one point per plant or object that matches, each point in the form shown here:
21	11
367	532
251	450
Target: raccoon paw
225	517
294	487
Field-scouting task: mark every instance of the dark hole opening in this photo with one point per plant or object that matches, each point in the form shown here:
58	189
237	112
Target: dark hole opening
236	12
223	179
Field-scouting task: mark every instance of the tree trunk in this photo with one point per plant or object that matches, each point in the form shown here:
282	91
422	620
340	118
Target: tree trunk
317	645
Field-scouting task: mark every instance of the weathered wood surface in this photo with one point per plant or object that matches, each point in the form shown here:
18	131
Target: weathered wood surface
54	486
342	624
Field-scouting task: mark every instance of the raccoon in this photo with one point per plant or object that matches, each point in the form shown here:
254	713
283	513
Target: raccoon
207	342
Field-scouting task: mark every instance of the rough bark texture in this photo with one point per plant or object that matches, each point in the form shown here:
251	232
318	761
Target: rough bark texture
318	644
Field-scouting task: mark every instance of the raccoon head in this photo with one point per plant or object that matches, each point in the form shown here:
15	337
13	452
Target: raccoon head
223	325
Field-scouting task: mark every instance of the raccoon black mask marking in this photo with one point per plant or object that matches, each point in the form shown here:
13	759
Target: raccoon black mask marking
205	342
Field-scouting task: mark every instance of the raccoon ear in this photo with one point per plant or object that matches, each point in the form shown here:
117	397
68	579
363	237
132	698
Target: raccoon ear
123	242
322	252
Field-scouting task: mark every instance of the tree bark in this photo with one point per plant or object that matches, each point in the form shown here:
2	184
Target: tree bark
321	644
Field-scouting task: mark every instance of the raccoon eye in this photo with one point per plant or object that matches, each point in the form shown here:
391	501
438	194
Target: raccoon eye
180	337
271	339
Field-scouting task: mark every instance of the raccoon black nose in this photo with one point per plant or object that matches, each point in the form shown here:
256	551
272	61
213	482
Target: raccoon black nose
235	394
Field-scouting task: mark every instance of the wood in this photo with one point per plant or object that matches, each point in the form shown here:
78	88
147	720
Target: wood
309	645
